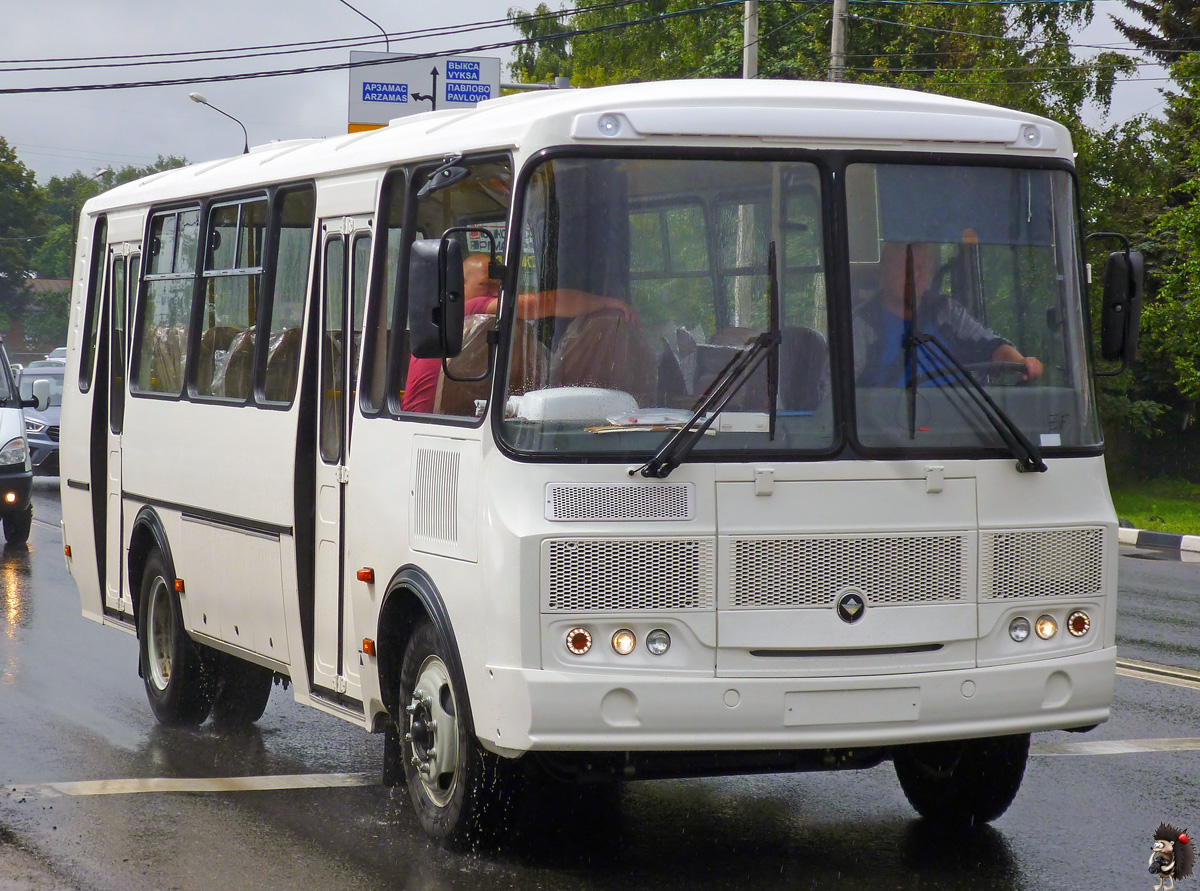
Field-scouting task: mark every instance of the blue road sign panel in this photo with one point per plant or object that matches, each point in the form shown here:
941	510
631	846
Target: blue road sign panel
381	92
459	92
459	69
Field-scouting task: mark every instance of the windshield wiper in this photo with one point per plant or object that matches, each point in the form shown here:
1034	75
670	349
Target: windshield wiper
723	388
1029	459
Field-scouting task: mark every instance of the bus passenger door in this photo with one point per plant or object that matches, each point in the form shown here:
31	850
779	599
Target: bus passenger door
122	277
345	252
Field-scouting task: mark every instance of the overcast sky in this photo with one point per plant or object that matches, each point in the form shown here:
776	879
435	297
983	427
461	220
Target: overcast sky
58	133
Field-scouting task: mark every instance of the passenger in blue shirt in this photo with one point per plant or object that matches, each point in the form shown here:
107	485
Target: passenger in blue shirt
883	326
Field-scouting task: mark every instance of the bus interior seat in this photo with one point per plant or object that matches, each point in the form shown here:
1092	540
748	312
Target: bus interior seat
283	365
168	352
530	365
233	379
213	353
603	349
803	368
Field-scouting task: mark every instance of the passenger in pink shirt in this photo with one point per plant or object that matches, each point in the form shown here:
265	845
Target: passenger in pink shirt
482	296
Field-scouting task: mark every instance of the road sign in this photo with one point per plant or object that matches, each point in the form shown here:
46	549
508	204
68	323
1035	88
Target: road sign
393	89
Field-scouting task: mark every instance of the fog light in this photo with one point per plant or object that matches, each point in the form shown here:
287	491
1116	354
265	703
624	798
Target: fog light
624	642
1018	628
1078	623
1046	627
10	497
579	641
658	641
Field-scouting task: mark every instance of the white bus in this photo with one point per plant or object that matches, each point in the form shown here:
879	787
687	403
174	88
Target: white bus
781	454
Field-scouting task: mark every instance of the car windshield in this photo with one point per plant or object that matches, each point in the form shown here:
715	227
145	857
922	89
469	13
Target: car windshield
54	375
642	280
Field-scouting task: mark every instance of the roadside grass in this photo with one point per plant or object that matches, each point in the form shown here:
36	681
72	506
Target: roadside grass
1162	505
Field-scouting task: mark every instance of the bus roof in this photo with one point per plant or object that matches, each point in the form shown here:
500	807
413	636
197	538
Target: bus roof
694	112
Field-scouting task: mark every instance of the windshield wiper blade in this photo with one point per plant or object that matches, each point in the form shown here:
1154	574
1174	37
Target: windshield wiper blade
1029	459
731	379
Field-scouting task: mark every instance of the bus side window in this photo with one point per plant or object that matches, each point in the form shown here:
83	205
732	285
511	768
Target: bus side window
482	199
381	308
164	314
91	330
295	213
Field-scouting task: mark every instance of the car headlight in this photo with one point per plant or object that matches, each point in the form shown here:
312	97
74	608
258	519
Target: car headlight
34	426
14	452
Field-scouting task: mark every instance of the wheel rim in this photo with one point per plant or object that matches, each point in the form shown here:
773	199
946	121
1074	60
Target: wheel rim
160	635
432	731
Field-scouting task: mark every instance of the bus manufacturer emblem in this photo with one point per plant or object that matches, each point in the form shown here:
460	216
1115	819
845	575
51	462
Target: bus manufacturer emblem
851	606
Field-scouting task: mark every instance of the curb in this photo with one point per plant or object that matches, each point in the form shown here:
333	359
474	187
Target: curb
1144	538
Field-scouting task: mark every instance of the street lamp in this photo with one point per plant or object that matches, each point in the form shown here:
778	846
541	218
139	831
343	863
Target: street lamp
199	97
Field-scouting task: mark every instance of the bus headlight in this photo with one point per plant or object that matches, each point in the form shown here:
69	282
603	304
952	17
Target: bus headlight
658	641
1046	627
1018	628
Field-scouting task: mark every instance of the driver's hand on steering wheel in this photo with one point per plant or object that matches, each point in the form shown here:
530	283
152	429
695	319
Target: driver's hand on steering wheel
1033	368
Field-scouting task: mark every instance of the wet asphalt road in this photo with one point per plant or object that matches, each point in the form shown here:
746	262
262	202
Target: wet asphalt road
72	709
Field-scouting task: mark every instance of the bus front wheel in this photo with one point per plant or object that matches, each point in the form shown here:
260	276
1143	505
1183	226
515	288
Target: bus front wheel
964	782
179	674
460	792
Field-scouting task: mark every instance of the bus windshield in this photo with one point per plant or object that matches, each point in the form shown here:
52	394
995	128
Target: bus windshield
682	246
651	278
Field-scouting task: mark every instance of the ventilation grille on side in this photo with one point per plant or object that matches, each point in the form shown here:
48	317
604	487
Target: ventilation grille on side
1041	563
435	495
602	501
810	571
637	574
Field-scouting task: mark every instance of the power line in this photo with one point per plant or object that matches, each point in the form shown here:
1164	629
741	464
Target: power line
342	66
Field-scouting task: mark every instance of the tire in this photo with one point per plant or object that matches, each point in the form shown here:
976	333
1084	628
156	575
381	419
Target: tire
16	529
460	792
243	689
963	783
180	675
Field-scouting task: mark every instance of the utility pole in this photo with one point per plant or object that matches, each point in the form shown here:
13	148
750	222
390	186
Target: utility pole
837	43
750	41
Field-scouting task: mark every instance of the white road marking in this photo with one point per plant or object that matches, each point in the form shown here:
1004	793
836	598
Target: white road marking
1163	674
183	784
1118	747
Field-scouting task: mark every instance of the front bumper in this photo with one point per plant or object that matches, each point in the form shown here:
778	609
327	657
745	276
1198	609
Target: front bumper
43	455
574	712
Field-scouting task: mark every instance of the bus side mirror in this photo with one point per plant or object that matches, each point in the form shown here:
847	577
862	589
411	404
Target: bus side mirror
1121	309
41	396
435	298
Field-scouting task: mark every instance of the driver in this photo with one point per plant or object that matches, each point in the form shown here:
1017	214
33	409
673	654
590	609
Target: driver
883	325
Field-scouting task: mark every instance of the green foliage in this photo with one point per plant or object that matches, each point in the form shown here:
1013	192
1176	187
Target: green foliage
20	228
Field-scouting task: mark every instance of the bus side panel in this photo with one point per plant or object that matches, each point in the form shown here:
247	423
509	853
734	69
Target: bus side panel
227	472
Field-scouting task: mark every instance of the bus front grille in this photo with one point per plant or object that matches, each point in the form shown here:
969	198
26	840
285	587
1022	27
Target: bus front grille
811	571
596	574
1041	563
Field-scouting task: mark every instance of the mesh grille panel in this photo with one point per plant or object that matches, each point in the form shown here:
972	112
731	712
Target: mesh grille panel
609	502
608	574
1041	563
785	572
435	495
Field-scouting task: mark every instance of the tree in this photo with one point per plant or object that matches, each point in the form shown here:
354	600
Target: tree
21	225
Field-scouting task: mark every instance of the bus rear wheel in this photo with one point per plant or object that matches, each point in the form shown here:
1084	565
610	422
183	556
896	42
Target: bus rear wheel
460	792
179	674
965	782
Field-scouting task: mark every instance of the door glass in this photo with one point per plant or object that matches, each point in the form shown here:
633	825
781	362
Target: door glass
116	347
333	287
